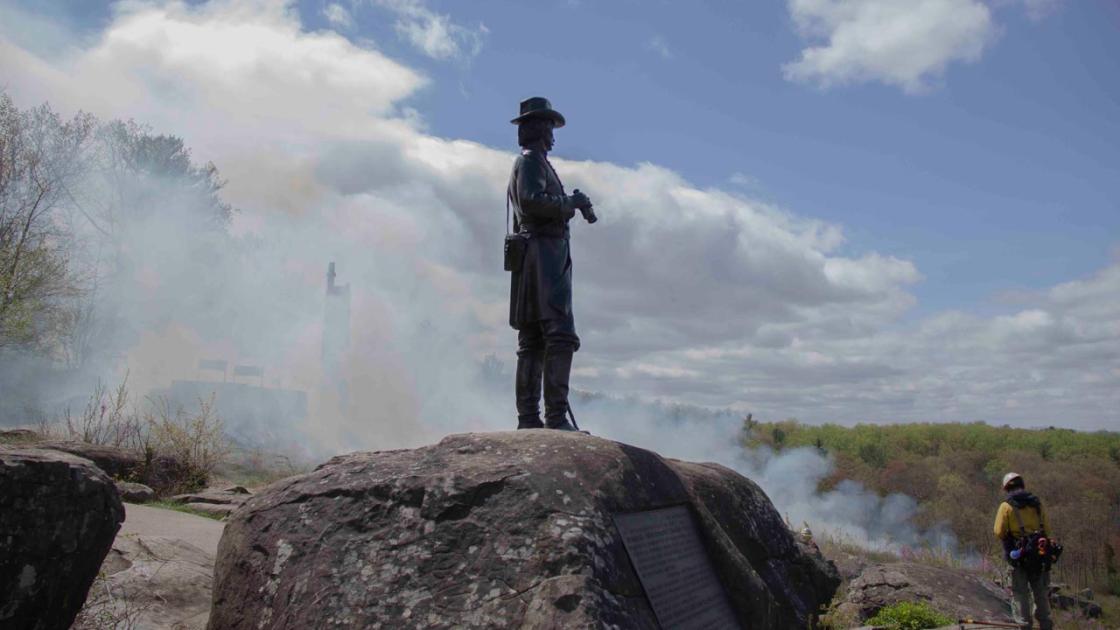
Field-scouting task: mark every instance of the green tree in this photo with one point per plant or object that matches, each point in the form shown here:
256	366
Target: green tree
779	435
41	156
873	454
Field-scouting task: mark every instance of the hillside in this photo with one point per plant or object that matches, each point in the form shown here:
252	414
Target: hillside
953	471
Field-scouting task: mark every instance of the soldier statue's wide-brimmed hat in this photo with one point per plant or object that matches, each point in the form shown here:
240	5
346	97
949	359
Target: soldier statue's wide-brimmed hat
538	107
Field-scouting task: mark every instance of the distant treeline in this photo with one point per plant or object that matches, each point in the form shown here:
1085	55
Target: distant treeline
953	470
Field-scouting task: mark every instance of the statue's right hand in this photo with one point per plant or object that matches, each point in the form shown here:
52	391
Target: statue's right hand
580	200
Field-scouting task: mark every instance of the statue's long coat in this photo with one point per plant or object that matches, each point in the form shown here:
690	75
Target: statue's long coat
542	288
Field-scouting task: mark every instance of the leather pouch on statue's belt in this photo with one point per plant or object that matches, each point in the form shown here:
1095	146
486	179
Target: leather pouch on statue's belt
516	244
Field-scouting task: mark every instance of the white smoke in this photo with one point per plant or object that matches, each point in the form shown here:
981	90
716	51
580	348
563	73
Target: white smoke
791	478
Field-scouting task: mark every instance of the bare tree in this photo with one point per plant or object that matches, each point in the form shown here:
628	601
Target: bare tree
139	174
139	186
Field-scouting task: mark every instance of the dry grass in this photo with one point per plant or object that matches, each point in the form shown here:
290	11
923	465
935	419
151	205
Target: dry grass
254	468
107	607
186	509
833	546
832	618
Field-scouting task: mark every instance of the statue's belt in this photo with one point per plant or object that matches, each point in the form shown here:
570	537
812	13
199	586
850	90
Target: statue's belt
545	232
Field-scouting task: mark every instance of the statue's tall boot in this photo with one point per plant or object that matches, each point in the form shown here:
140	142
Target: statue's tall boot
527	389
557	371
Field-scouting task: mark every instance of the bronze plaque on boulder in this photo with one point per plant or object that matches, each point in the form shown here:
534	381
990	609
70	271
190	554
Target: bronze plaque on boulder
665	548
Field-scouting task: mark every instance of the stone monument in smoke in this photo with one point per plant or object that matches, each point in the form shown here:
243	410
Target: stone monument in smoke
336	341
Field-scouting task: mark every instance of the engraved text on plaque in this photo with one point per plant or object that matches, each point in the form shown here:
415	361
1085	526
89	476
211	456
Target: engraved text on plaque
665	547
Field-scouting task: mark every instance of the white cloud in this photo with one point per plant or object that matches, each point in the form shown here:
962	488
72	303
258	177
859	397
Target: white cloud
1036	9
743	180
682	293
434	33
658	45
906	44
338	15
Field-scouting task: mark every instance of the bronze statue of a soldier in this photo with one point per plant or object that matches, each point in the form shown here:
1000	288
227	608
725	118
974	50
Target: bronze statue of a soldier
540	305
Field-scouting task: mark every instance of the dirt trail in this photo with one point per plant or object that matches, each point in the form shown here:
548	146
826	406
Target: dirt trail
199	531
159	573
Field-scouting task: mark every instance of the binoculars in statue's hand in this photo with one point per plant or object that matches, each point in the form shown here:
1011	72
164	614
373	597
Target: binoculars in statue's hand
588	212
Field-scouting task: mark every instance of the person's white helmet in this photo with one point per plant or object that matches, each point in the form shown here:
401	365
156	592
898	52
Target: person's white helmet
1009	477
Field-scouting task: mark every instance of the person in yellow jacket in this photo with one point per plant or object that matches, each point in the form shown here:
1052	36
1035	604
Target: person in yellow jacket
1020	515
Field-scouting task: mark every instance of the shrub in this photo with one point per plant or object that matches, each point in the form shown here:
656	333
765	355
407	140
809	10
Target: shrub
181	448
106	419
909	616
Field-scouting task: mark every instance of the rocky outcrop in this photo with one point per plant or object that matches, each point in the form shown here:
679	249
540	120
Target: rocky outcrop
135	492
233	495
1082	602
117	462
58	516
164	474
497	530
216	501
954	592
19	437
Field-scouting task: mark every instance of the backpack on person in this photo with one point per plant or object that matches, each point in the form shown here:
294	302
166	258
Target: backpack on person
1033	551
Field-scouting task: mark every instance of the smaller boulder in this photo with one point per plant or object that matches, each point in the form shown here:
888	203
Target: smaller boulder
848	563
164	474
954	592
1086	606
235	496
19	437
214	509
117	462
135	492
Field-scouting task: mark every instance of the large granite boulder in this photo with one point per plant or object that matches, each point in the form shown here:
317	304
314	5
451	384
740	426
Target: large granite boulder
958	593
58	517
491	530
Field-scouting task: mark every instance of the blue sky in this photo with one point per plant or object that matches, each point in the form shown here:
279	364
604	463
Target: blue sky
1004	175
966	149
